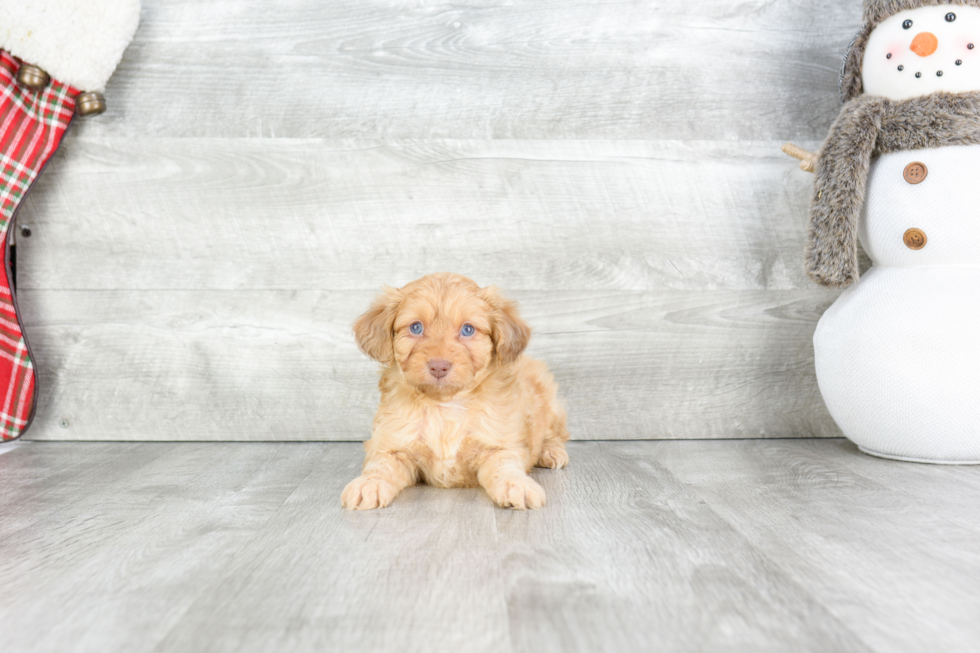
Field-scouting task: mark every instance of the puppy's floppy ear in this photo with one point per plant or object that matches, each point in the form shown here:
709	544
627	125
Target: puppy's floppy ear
373	331
510	333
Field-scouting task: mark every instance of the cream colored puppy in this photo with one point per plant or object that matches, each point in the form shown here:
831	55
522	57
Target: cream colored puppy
461	405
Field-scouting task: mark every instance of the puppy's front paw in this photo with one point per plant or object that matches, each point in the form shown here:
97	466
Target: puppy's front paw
553	456
518	492
367	493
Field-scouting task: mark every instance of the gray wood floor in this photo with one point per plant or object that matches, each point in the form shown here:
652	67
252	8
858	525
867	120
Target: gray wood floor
765	545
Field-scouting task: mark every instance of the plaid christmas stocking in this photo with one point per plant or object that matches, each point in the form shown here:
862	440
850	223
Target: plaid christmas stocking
48	50
31	126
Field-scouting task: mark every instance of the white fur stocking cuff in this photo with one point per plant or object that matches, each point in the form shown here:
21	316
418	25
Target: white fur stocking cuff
77	42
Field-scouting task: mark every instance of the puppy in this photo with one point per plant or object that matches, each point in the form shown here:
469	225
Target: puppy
461	405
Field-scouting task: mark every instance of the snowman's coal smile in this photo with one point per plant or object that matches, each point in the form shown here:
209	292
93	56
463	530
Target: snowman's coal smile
939	73
918	74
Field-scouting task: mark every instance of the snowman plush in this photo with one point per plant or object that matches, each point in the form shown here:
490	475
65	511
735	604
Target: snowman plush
898	354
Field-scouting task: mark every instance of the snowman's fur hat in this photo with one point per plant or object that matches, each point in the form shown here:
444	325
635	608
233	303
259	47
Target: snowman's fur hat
869	126
876	11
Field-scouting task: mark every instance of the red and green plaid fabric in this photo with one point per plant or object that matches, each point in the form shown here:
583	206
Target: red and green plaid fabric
31	126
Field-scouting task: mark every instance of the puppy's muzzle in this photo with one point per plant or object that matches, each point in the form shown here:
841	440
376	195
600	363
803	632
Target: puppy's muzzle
439	368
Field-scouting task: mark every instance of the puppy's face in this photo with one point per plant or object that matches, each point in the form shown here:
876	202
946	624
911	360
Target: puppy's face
442	332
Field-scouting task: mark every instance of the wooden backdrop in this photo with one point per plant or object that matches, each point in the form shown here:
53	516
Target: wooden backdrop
200	251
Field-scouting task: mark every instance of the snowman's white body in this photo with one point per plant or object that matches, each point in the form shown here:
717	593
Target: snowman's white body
898	354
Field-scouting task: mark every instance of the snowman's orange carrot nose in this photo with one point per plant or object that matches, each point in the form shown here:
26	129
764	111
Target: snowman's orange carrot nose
924	44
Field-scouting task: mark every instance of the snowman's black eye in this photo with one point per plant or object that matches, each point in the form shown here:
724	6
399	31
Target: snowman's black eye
907	24
950	17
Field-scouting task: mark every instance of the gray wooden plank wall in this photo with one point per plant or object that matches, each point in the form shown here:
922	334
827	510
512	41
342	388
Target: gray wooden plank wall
199	251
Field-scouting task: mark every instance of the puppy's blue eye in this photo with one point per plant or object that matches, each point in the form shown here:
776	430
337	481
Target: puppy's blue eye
416	328
467	330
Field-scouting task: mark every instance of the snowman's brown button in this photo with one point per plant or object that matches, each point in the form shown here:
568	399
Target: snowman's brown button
915	239
915	173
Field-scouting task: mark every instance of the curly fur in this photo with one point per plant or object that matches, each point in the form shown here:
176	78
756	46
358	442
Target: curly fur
487	422
870	126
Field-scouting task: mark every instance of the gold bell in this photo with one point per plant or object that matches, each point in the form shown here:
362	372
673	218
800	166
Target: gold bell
32	77
88	104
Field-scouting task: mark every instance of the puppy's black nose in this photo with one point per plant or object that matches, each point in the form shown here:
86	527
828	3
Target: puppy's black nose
439	369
